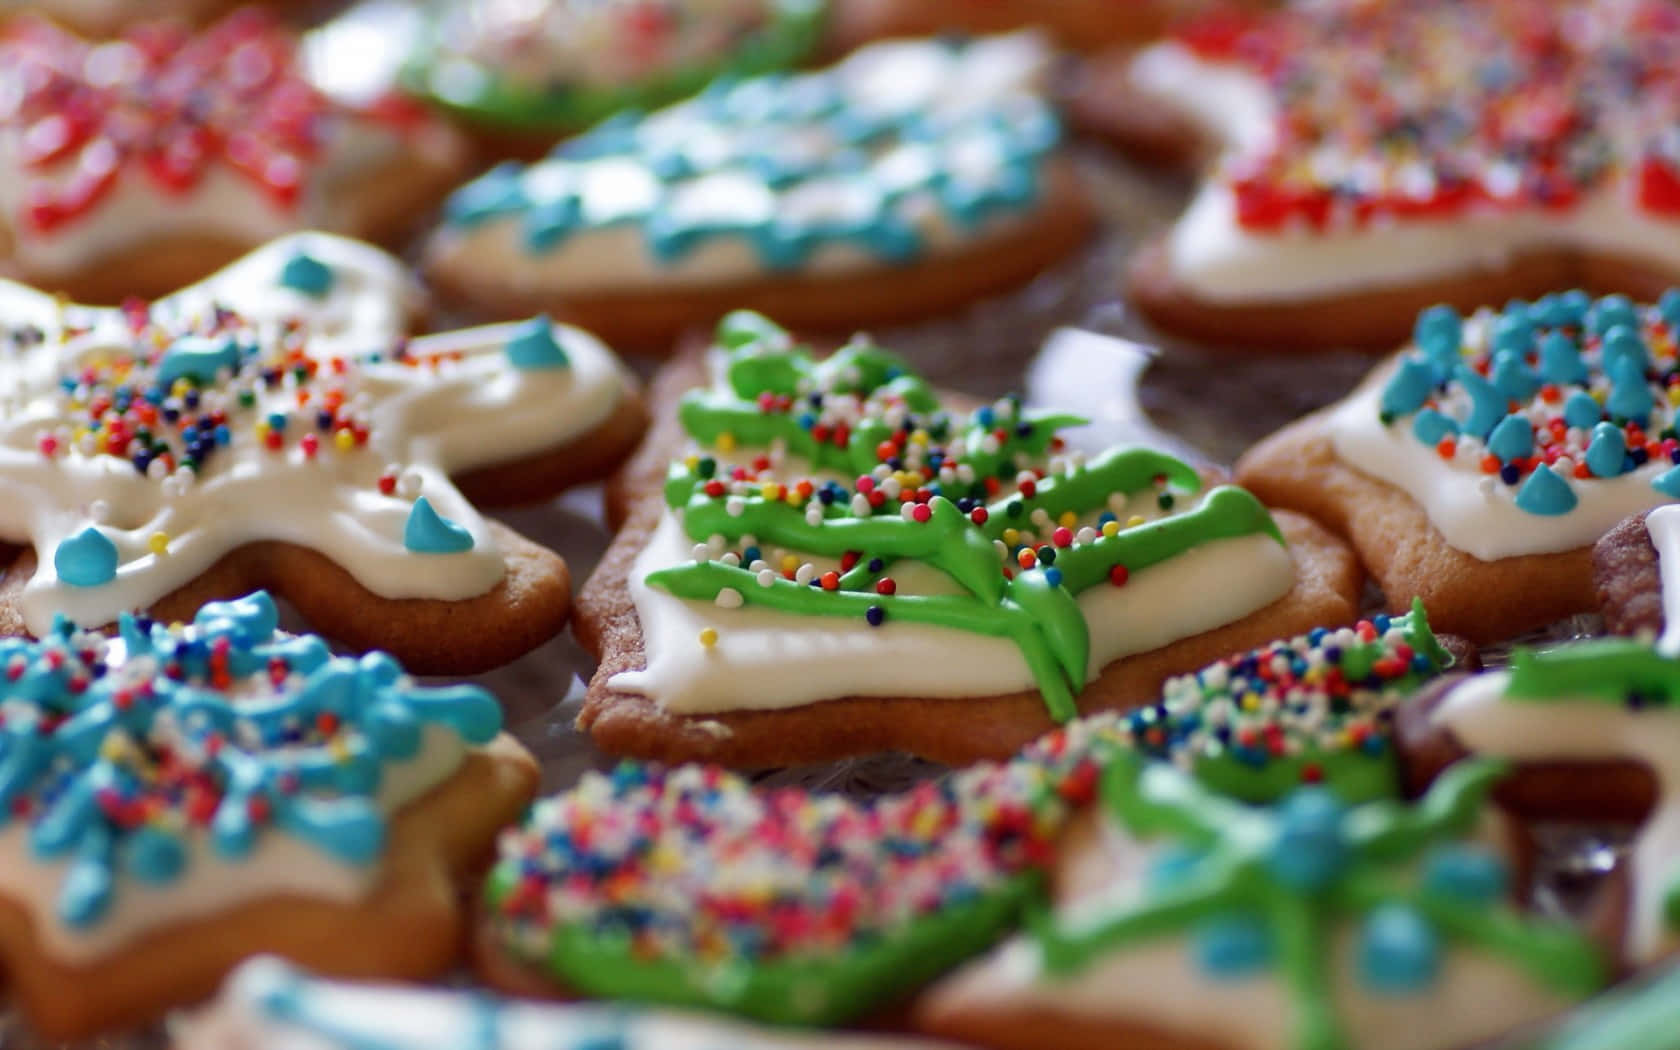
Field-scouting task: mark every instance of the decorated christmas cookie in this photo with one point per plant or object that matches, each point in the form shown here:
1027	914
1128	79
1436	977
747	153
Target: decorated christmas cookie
909	178
1199	923
135	166
1477	468
687	887
1355	184
272	426
269	1005
1595	730
822	557
180	797
559	66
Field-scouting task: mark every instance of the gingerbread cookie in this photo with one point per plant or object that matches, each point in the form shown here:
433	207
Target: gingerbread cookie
909	178
538	71
272	426
182	797
1477	468
1594	728
809	908
1355	185
1190	921
269	1005
136	166
1635	567
819	528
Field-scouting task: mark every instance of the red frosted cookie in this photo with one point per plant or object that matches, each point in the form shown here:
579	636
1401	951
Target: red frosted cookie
1352	185
139	165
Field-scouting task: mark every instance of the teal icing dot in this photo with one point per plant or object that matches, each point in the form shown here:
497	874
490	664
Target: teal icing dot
1399	952
1467	873
1512	438
1513	332
533	348
306	274
1623	343
1582	410
1546	494
1514	378
1408	388
1311	849
1438	333
87	559
499	191
1430	426
429	533
1232	946
1567	309
549	223
1669	307
1487	404
198	358
1560	360
1610	311
1630	393
154	856
1607	454
1668	483
248	620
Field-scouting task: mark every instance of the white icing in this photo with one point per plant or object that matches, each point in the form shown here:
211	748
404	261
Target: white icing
464	414
894	78
1487	723
1663	526
794	660
366	1016
1218	260
1159	984
1475	512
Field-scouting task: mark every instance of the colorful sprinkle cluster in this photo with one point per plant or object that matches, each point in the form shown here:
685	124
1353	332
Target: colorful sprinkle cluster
1521	104
128	756
1548	395
164	104
1312	709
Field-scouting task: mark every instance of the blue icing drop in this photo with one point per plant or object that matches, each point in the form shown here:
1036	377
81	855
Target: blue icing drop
1546	494
1668	483
1607	453
1467	873
1399	952
1430	426
1513	332
308	275
1512	438
534	348
248	620
1408	388
1560	360
198	358
1630	393
1513	377
1569	309
1231	946
1310	850
1582	410
1623	343
496	193
428	533
1610	311
1669	307
1438	333
1487	404
87	559
154	856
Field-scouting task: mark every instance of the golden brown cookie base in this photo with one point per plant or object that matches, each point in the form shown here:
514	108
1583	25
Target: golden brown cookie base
1485	601
409	925
651	319
1101	102
1628	581
1325	594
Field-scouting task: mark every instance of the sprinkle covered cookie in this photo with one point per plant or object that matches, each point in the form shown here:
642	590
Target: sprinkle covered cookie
822	557
1477	468
180	797
135	166
909	178
273	426
1356	182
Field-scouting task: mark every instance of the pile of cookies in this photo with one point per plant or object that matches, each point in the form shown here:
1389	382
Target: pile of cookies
1362	742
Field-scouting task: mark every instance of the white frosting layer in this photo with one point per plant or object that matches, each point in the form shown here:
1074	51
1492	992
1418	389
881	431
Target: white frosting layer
1487	723
268	1005
1663	525
465	413
793	660
1216	259
1475	512
1160	985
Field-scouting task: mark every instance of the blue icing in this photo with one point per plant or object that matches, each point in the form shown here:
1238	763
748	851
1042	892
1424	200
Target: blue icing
1408	388
87	559
1560	360
830	170
1438	333
1430	426
198	358
1669	306
1610	311
1513	332
533	347
1546	494
1399	951
1311	849
1513	377
1232	946
236	731
1607	453
1470	874
1630	393
1623	343
308	275
429	533
1487	403
1668	483
1512	438
1582	410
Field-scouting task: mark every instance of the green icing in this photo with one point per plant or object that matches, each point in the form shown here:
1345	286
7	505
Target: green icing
1642	1016
1301	871
1036	607
1610	670
793	33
